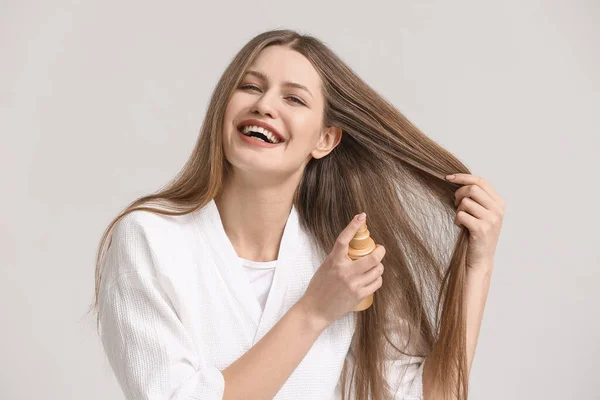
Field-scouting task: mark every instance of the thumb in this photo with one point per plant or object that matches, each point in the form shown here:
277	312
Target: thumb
343	241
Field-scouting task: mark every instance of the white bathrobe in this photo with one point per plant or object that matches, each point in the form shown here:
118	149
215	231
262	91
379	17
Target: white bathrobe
176	308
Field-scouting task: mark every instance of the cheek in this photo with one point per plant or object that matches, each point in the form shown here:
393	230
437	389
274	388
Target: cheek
315	136
229	114
229	118
305	127
235	105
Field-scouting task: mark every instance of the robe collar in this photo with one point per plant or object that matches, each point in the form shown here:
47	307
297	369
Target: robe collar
230	267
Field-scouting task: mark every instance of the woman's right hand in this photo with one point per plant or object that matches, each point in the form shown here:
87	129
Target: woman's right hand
341	283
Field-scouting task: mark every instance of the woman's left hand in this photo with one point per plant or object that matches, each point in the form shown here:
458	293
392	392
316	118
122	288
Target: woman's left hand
480	210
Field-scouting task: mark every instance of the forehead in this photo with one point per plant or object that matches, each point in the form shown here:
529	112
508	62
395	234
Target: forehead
281	64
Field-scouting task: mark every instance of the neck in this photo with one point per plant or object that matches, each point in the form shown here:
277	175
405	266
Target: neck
254	215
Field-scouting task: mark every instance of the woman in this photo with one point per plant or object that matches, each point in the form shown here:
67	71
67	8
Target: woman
233	282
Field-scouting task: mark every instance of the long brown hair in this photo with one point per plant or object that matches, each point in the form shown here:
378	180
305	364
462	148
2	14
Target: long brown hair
384	166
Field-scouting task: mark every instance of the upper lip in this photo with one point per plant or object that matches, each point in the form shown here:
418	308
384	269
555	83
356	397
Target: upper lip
262	124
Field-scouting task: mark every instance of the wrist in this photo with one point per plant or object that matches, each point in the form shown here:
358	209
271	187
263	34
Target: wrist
482	268
311	319
481	272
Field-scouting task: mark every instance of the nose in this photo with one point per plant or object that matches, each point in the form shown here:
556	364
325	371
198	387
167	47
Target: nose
264	106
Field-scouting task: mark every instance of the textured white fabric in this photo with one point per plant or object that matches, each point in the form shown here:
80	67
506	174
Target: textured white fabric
176	308
260	275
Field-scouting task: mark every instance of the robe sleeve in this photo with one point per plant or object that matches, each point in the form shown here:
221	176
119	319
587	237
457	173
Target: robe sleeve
149	349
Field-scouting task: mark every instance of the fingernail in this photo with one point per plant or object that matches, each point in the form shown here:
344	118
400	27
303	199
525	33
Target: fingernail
362	216
450	177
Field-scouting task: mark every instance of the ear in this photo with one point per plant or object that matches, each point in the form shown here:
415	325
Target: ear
329	139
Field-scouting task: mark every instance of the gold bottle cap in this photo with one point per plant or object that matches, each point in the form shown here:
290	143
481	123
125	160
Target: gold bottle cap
362	244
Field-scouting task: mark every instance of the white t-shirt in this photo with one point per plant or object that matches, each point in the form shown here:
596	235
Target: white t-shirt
260	275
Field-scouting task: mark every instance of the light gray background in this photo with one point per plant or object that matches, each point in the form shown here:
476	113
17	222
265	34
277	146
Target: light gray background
101	102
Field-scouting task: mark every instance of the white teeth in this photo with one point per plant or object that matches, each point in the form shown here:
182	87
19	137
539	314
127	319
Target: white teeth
272	138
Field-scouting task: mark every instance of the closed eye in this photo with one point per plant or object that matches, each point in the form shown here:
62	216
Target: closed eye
293	98
297	100
249	87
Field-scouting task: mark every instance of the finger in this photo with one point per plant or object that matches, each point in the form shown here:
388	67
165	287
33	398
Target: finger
364	264
369	276
467	220
371	288
468	179
475	209
344	238
477	194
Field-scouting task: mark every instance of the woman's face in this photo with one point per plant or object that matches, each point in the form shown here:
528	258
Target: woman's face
282	91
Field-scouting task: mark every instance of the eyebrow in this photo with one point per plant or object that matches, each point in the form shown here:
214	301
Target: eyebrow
264	77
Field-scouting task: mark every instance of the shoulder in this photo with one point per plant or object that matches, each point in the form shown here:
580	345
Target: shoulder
147	234
142	240
144	225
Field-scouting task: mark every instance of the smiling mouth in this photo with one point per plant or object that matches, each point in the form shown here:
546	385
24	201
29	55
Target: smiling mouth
258	141
259	134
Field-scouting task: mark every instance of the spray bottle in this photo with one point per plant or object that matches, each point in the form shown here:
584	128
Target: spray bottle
362	245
